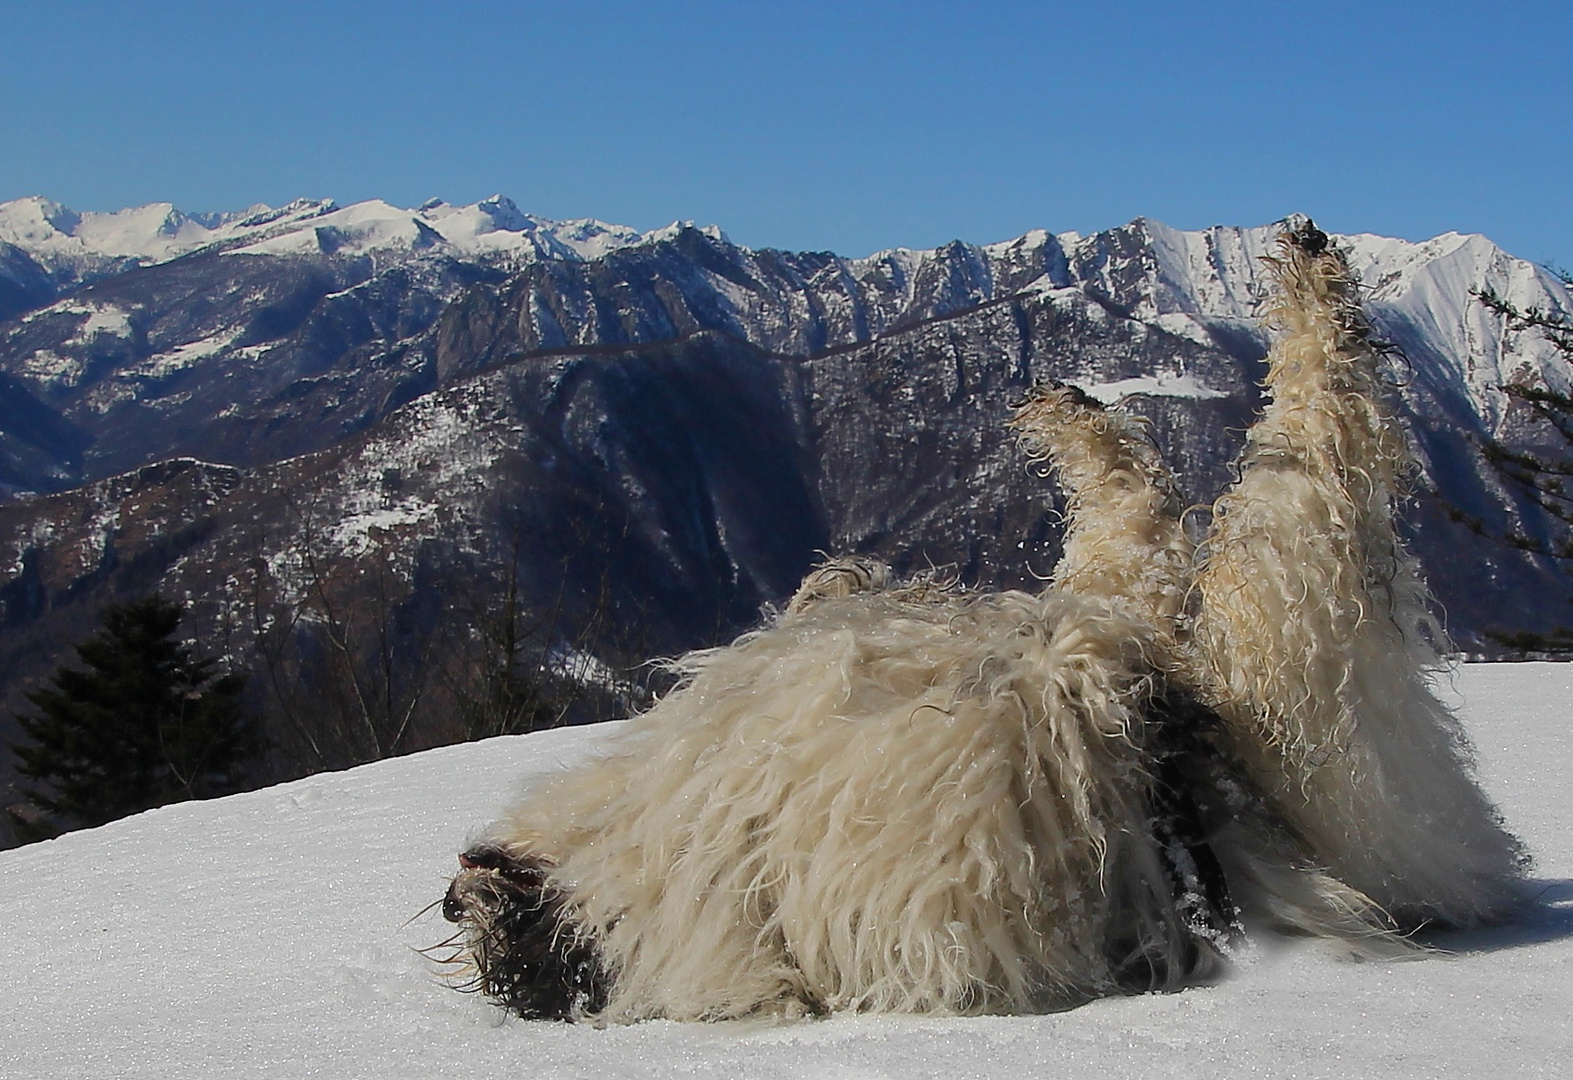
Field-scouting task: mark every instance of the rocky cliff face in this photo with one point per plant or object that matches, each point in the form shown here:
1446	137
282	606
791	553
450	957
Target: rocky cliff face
648	436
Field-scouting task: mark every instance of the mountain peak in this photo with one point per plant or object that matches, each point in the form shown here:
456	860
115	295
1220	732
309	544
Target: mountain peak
505	214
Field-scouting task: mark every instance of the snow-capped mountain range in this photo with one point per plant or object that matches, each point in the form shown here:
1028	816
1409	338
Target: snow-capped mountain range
656	430
63	240
1190	284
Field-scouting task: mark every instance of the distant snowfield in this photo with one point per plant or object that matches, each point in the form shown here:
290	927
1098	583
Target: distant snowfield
269	935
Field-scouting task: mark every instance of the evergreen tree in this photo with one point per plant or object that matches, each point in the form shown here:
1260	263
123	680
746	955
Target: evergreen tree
514	690
147	723
1547	478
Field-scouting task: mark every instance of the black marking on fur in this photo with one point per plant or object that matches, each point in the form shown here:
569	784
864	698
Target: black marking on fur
1188	763
1307	237
1203	917
530	956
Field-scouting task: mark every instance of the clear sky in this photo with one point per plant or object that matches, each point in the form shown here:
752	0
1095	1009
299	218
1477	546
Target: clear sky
846	126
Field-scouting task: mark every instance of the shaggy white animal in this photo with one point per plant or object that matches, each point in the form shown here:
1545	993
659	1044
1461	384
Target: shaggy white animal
896	796
916	798
877	804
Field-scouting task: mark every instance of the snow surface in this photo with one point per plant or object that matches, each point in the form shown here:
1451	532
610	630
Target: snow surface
273	934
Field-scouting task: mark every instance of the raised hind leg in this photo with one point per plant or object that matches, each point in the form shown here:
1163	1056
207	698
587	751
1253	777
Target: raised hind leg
1314	636
1123	540
1223	842
1124	546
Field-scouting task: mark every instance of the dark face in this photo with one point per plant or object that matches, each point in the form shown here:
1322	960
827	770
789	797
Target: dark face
487	873
529	954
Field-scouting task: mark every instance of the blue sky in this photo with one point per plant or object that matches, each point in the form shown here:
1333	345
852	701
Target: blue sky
844	126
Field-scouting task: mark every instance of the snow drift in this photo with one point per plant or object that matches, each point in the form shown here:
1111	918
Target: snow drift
274	934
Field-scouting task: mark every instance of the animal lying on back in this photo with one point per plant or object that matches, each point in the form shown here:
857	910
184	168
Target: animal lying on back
918	798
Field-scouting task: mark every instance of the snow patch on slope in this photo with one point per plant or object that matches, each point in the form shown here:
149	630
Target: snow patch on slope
163	364
101	319
50	369
446	438
1159	384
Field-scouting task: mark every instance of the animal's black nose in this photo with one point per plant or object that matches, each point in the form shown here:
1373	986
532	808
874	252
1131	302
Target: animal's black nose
452	906
485	857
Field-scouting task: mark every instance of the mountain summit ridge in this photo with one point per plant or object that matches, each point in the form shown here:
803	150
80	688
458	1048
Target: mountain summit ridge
157	232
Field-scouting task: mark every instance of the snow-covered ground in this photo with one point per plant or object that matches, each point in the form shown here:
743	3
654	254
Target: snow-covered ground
273	934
